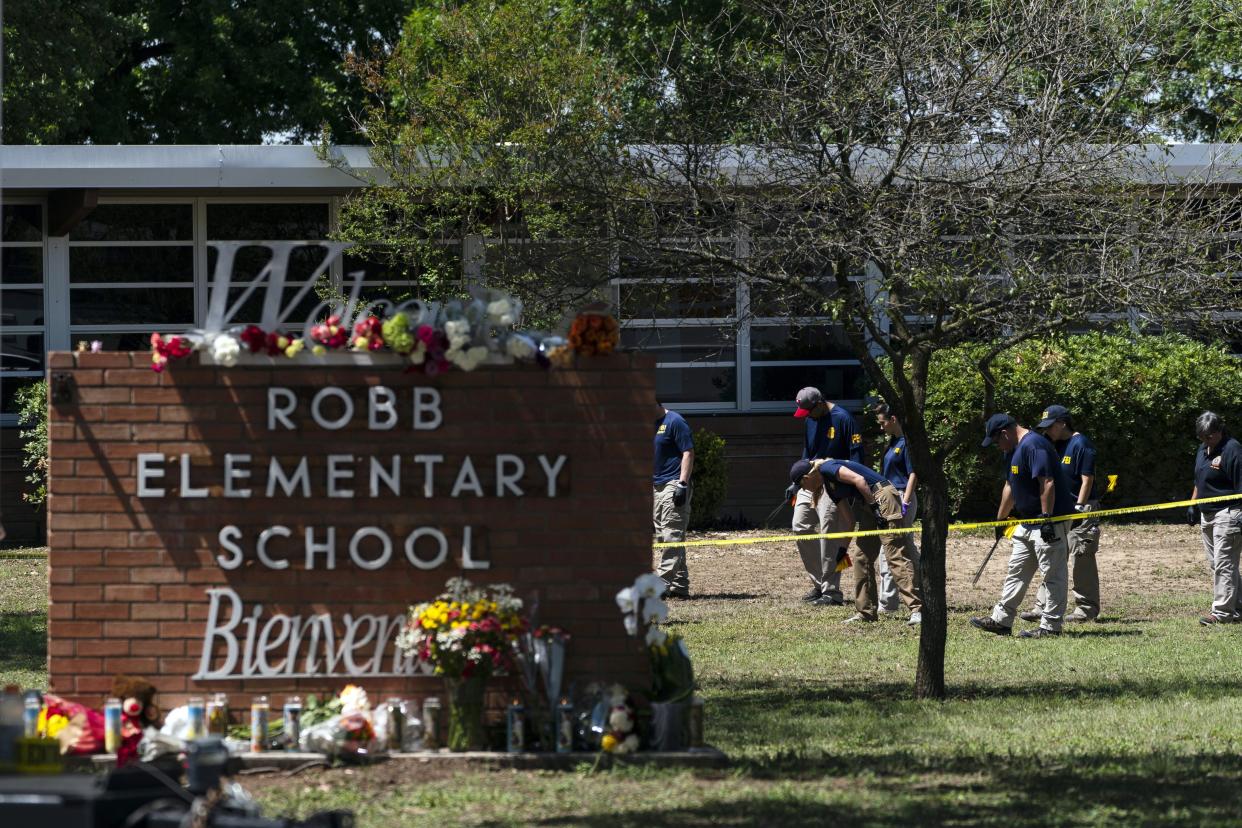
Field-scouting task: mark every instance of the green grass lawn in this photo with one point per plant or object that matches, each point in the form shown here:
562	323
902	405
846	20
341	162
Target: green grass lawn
1135	720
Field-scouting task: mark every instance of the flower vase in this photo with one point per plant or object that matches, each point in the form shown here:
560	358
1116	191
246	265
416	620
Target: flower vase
465	701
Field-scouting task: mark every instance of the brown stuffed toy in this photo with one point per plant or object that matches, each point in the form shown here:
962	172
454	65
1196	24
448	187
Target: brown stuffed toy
137	697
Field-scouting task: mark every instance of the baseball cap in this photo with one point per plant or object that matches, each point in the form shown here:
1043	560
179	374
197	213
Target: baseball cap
807	399
1051	414
995	423
800	470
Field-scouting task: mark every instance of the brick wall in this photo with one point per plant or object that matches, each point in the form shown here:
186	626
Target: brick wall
129	575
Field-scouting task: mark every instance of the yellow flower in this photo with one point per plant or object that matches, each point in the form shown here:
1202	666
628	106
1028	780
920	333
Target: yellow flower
55	725
294	348
608	743
319	350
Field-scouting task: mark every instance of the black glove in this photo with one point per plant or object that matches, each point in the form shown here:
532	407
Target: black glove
791	492
1192	515
680	492
881	522
1047	531
1000	531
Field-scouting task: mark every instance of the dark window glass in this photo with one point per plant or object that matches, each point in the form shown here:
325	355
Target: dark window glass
131	306
769	299
21	352
21	307
788	342
22	222
92	265
249	261
705	385
113	341
136	222
9	387
21	266
266	222
677	300
682	344
783	383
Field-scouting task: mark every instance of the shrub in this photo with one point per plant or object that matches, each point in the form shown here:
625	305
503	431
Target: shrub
710	477
32	413
1136	397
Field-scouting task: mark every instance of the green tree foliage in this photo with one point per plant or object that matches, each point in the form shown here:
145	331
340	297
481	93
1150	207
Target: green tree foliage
710	478
1136	397
32	416
168	71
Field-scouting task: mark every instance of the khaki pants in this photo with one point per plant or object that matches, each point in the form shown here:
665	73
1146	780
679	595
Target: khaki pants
896	548
1222	541
1031	552
1084	542
819	557
670	526
889	595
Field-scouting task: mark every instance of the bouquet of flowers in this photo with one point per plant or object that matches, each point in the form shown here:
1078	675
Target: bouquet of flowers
341	726
467	631
593	334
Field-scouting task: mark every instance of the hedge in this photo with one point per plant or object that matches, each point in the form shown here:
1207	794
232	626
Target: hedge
1136	397
710	478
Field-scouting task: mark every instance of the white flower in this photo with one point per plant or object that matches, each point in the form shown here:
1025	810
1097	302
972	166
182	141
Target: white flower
654	610
224	350
616	695
629	745
458	333
500	312
625	600
419	355
520	347
650	585
354	700
656	636
631	624
467	360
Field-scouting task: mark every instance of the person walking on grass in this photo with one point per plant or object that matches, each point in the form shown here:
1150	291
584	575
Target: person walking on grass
1078	460
863	495
674	464
1218	473
830	433
1036	486
897	468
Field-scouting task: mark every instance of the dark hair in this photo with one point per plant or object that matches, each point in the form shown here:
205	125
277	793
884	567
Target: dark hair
1209	422
883	409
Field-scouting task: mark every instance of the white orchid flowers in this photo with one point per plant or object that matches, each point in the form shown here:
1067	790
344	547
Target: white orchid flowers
642	606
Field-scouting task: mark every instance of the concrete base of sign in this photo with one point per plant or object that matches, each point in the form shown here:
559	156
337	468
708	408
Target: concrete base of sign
705	757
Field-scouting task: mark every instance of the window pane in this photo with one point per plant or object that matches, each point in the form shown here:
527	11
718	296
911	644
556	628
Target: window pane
267	222
788	342
677	300
248	261
21	265
706	385
131	306
21	307
22	222
9	386
21	352
136	222
783	383
682	344
113	341
767	299
92	265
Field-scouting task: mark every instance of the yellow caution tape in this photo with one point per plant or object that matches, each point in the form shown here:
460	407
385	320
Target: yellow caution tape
954	527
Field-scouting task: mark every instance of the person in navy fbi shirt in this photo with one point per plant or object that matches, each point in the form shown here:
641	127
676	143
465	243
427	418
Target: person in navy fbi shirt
830	433
1036	486
1218	473
1078	460
898	469
671	490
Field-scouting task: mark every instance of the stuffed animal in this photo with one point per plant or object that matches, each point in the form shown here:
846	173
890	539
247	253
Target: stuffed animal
138	711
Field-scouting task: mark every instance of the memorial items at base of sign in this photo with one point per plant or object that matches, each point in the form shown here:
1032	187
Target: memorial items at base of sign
614	720
349	736
137	697
78	728
398	725
465	712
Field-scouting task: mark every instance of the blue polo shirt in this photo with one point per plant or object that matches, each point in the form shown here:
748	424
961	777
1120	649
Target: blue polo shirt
672	438
1036	457
833	435
896	466
1219	473
845	491
1077	459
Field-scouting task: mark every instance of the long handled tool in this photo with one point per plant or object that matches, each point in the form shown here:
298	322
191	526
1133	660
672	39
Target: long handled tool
979	572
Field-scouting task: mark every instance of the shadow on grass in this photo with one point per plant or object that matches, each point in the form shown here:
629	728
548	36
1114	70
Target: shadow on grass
1000	791
23	641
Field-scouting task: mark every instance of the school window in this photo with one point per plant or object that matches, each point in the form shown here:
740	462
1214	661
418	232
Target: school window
23	317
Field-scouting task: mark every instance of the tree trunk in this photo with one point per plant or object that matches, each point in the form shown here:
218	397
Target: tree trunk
929	680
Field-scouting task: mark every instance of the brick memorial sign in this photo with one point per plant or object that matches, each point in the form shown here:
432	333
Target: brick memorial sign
264	529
